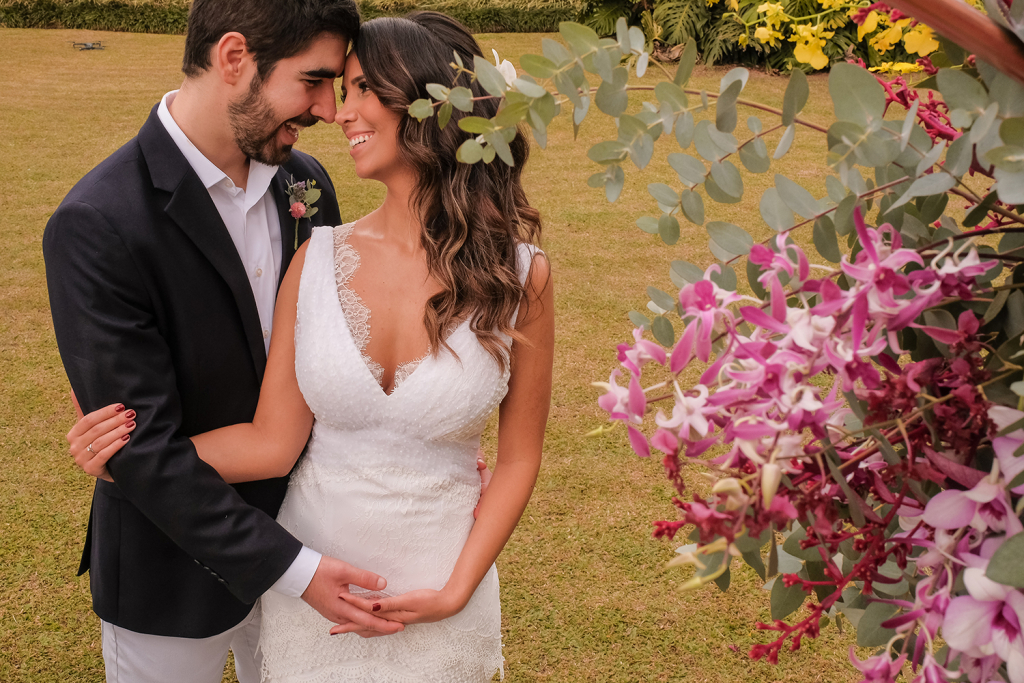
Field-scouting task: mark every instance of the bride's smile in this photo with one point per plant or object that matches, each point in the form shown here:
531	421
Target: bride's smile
371	128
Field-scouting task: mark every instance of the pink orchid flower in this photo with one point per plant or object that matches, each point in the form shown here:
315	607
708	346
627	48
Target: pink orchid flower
878	669
687	414
984	507
988	620
634	357
1005	446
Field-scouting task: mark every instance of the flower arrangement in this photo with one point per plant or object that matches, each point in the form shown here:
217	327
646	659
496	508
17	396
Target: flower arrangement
301	197
859	411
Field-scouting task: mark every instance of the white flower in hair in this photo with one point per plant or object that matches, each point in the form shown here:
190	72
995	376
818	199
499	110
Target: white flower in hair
505	68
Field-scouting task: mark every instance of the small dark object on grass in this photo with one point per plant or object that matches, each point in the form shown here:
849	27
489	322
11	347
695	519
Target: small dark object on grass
89	46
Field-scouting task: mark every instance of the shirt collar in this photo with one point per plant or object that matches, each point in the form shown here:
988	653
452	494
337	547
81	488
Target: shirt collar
260	174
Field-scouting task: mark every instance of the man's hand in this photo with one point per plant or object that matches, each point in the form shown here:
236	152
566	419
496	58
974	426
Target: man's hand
330	582
422	606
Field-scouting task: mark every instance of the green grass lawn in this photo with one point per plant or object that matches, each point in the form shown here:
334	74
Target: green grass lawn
585	593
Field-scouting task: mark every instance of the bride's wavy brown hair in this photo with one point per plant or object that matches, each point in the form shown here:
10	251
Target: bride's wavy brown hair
474	215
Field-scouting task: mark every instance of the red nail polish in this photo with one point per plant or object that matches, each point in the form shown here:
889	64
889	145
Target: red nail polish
376	607
130	415
129	425
119	407
126	437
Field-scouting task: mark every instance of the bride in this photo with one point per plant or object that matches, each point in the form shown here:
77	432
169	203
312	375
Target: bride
411	326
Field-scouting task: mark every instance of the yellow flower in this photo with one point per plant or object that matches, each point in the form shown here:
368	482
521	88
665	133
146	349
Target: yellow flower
884	41
775	14
896	67
832	4
809	41
869	25
743	40
920	40
768	36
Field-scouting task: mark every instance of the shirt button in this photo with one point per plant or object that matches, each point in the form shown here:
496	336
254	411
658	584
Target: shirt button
266	333
259	272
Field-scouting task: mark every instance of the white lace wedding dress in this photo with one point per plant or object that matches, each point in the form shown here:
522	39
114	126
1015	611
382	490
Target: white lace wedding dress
388	483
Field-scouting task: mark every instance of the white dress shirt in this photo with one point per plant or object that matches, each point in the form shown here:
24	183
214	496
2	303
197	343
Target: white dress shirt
252	220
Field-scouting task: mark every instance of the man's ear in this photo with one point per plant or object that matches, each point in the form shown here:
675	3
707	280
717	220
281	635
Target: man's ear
231	58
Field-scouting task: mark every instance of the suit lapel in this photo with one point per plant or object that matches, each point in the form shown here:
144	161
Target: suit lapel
193	211
279	186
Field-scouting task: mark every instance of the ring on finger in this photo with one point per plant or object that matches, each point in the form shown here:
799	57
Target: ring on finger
89	448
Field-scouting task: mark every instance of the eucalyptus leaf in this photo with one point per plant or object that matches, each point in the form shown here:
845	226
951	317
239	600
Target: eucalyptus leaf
718	194
856	94
437	91
670	94
931	184
725	108
730	237
444	115
470	152
690	170
774	211
686	272
786	600
663	194
797	92
684	130
607	152
825	240
785	143
663	300
581	39
648	224
961	91
489	77
869	630
704	144
668	228
662	330
796	197
686	63
555	52
726	278
421	109
538	66
693	206
529	88
611	97
754	156
728	178
639	319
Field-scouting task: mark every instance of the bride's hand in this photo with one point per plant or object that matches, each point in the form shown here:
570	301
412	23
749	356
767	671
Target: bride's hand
415	607
98	435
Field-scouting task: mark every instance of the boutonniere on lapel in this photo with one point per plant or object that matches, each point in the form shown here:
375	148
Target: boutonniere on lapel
302	196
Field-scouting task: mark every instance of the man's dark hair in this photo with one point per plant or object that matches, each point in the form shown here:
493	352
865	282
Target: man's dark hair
273	29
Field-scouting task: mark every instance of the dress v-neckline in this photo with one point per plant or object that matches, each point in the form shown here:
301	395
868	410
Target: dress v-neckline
357	314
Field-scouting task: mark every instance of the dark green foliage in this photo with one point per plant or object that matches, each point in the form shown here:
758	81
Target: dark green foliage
156	17
171	16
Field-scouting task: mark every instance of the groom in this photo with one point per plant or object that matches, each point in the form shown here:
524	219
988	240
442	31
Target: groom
163	265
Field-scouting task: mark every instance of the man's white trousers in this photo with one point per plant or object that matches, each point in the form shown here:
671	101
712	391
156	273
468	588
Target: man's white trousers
131	657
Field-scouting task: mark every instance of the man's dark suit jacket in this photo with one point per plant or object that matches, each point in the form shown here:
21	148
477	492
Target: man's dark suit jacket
152	308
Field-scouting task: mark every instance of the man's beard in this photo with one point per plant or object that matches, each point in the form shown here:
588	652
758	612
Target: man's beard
255	126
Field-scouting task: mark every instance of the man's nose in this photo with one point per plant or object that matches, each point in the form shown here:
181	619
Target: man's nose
325	106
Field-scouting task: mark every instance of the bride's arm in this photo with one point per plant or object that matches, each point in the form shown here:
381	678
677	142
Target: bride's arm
265	448
268	446
522	418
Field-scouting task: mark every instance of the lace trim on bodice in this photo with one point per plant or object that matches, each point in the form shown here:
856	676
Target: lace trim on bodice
357	314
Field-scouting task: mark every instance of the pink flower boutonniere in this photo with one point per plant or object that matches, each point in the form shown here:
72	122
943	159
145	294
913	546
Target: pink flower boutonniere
301	197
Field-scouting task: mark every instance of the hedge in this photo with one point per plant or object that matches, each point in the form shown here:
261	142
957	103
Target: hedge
171	16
